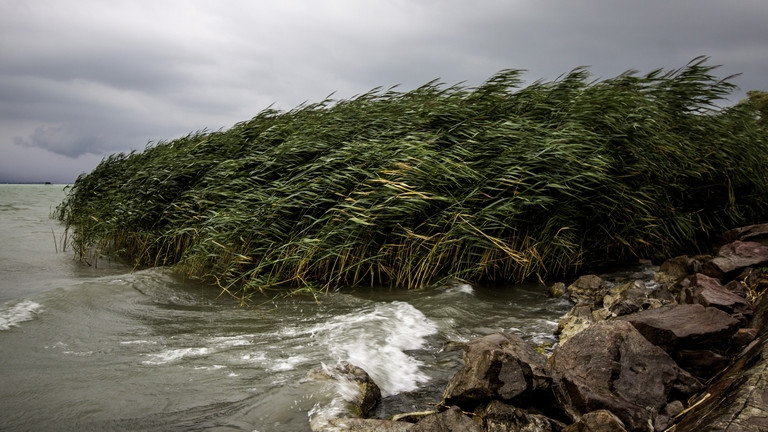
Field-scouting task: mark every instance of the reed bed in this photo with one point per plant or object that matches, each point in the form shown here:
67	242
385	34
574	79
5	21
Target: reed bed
502	182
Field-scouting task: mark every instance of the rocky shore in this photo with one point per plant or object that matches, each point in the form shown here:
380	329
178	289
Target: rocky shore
682	350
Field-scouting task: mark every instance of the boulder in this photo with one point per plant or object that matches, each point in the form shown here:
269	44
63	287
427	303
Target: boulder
557	290
597	421
588	289
500	417
708	291
450	420
684	326
756	233
364	394
734	257
502	367
627	298
674	270
612	366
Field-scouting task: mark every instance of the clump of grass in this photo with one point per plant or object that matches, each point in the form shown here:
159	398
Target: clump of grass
498	182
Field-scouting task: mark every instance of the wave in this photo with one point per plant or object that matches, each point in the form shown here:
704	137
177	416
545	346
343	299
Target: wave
378	340
14	314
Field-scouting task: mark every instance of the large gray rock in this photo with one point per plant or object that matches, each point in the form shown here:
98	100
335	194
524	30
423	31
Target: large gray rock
685	326
451	420
734	257
503	367
612	366
708	291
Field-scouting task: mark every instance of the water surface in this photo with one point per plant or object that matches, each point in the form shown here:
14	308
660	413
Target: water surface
109	348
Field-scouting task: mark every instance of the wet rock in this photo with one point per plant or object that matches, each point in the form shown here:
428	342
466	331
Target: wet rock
685	326
450	420
597	421
502	367
674	408
557	290
674	270
734	257
612	366
708	291
574	321
588	289
663	295
365	425
500	417
360	390
627	298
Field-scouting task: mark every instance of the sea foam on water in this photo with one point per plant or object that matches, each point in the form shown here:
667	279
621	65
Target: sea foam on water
13	315
377	340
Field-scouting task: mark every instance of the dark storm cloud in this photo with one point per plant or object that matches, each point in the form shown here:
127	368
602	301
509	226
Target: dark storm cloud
81	79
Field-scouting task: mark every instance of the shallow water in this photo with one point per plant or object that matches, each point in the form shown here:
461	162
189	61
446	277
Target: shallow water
107	348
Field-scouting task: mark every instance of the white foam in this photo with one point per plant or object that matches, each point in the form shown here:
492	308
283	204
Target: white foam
13	315
232	341
287	364
210	368
258	357
377	340
138	342
462	288
173	355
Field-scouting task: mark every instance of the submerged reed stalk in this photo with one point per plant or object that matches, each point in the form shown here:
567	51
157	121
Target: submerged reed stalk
494	183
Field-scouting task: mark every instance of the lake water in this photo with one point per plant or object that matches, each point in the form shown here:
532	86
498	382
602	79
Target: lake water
110	348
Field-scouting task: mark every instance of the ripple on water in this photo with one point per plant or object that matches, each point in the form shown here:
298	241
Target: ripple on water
173	355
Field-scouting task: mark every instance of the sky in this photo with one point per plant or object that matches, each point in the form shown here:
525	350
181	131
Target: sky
82	79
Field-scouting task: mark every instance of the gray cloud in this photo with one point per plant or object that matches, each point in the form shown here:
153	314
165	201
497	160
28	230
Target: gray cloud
66	140
82	79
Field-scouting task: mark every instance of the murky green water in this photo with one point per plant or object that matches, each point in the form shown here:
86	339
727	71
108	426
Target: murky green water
85	348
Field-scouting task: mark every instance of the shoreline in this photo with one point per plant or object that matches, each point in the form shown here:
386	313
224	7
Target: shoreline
693	344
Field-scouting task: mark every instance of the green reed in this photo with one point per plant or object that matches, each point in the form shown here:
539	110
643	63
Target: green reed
495	183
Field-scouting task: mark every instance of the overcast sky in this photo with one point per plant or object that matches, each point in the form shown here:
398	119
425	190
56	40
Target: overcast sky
81	79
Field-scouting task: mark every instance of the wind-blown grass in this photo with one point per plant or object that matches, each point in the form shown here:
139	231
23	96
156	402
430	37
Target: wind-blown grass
498	182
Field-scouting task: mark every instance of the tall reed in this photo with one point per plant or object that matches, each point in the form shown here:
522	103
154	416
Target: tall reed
495	183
